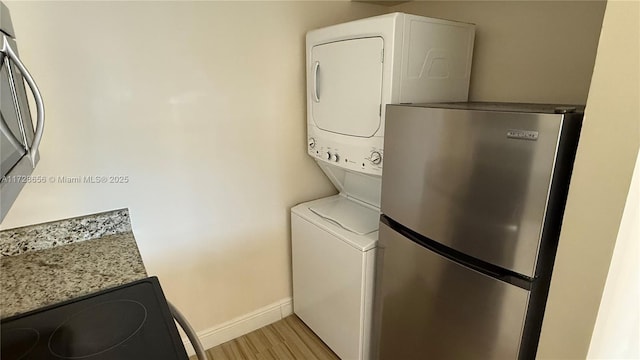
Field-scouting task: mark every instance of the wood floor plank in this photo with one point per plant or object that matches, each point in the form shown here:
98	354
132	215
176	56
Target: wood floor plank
231	349
215	353
311	340
265	355
247	349
258	340
287	339
281	352
294	342
272	335
300	350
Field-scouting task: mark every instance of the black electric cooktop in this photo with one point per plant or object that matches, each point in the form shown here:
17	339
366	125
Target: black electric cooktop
131	321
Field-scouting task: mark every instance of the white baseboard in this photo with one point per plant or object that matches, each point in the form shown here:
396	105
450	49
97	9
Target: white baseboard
242	325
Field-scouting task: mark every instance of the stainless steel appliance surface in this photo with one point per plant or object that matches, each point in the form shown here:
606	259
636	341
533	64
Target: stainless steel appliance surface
472	199
19	139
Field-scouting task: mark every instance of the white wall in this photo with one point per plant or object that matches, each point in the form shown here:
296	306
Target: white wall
202	106
601	176
617	331
526	51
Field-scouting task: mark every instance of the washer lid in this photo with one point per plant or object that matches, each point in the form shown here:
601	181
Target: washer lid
348	214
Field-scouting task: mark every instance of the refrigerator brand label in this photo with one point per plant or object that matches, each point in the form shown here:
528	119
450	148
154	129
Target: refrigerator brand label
522	134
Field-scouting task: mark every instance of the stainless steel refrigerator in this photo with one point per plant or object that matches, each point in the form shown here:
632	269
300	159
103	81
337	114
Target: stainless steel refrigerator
472	202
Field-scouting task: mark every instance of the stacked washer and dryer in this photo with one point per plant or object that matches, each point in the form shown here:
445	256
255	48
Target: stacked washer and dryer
353	70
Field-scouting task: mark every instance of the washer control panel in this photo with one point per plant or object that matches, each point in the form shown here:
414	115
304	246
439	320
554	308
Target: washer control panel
358	158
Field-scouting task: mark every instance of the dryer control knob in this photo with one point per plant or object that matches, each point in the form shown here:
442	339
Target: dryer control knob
375	158
312	143
336	157
329	156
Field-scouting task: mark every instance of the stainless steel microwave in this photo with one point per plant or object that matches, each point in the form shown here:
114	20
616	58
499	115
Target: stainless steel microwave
19	138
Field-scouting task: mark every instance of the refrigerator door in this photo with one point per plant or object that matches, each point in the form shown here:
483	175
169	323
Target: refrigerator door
435	308
475	181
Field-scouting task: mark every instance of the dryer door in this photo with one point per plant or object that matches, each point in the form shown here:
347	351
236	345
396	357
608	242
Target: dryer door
346	86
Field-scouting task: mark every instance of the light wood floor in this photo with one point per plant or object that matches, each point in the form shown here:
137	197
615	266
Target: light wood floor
287	339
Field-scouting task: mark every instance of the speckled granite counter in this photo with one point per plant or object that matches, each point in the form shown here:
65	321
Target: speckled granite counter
49	263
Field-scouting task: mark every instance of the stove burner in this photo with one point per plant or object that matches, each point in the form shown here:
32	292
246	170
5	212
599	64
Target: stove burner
17	343
97	329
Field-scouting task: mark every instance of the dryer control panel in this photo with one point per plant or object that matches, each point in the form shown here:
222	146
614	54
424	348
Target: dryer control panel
351	157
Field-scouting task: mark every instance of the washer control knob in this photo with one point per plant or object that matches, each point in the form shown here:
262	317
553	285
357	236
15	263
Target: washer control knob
312	143
329	156
375	158
336	157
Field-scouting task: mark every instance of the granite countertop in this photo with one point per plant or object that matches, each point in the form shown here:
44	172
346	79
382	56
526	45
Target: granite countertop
48	263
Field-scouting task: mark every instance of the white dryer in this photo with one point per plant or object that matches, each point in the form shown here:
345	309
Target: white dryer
353	70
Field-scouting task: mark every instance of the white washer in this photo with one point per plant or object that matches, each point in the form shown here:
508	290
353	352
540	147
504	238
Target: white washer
333	271
353	70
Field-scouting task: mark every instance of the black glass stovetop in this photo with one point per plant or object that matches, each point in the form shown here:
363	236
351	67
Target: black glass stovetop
131	321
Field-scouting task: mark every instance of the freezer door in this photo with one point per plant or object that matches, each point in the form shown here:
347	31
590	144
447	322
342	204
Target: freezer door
434	308
475	181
